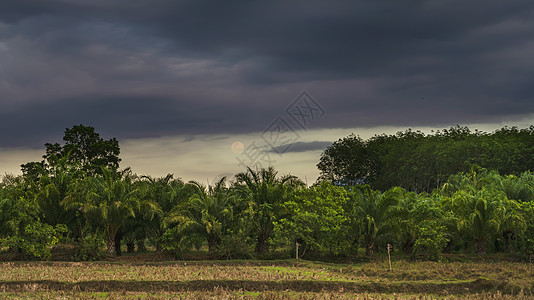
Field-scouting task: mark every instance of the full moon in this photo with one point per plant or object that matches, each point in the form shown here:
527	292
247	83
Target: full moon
238	147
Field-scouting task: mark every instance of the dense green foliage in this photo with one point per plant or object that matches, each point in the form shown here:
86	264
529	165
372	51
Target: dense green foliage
88	202
84	150
421	162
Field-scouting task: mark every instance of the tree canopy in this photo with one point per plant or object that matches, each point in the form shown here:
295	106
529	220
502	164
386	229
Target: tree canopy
421	162
83	148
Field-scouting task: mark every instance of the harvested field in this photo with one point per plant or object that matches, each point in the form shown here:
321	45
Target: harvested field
266	279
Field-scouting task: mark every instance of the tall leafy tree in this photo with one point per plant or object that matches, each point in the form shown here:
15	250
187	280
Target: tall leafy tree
346	161
83	147
315	218
421	162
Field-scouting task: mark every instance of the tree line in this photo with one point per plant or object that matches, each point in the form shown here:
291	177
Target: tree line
422	162
78	195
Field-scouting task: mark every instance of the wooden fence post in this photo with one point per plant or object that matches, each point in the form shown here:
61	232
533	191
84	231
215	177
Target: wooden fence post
389	256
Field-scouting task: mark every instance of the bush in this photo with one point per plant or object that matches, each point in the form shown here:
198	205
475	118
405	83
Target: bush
175	242
36	240
430	241
235	246
89	247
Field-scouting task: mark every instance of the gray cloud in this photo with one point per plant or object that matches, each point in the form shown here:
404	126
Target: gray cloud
150	68
300	147
124	117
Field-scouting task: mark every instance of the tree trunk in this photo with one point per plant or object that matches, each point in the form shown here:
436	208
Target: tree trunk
130	247
141	246
480	245
370	248
118	238
509	239
158	242
111	245
213	244
112	239
408	247
262	247
79	229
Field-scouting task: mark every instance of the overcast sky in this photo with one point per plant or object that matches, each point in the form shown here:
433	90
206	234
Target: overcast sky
180	82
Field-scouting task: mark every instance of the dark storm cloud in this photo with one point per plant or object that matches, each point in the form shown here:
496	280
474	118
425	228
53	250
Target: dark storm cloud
142	68
123	117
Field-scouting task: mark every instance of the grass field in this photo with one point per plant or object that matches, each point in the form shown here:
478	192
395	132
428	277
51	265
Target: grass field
279	279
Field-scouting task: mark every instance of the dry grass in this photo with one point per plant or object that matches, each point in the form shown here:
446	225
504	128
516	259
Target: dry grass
521	274
226	294
266	280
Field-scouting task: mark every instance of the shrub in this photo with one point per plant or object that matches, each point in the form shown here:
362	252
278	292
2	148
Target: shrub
174	241
89	247
431	239
36	240
235	246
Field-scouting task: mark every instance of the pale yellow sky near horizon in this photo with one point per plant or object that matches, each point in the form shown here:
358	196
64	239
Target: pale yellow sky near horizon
205	158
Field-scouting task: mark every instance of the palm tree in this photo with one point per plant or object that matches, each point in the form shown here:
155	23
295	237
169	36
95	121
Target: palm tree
169	199
53	188
413	210
483	215
108	200
376	212
513	191
519	188
209	212
266	192
480	207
